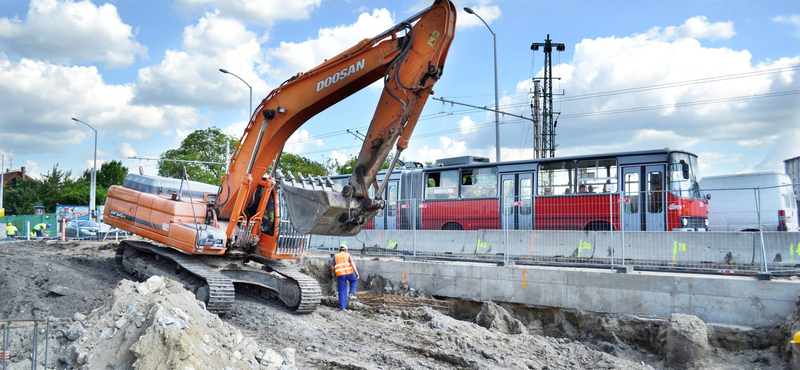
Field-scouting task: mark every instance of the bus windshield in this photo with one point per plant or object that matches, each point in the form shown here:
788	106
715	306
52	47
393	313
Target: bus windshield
684	175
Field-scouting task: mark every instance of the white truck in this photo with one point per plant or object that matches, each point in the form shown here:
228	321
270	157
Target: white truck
733	205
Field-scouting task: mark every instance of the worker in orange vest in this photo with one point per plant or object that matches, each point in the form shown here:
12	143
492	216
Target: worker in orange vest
344	268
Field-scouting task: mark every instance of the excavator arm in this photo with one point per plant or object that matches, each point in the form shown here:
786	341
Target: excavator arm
409	57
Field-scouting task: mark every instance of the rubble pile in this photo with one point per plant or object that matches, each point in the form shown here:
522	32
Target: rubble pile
159	324
494	317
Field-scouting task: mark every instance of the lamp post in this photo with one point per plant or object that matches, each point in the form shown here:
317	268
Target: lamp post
496	96
245	82
93	186
2	178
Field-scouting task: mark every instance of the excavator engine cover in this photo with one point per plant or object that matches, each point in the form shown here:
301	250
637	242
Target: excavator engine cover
317	206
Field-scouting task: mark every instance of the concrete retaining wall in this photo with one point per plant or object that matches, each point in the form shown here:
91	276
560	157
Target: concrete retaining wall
656	248
722	299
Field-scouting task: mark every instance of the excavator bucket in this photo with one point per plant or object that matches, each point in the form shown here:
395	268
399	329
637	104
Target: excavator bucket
317	206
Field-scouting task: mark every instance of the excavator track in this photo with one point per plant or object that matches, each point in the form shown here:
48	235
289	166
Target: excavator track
218	292
216	279
310	292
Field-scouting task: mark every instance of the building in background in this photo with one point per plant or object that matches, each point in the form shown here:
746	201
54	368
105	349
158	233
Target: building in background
15	174
793	170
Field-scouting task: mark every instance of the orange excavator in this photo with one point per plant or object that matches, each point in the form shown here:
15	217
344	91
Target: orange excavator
219	240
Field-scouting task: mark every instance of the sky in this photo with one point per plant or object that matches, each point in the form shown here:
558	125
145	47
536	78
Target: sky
716	78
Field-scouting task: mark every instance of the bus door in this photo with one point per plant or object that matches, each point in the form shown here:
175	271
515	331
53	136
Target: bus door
644	200
516	201
386	219
655	198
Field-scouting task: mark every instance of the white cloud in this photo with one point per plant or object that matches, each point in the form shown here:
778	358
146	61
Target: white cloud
489	13
793	20
291	57
135	134
27	86
126	150
711	163
192	77
758	142
68	31
445	148
299	140
466	125
235	129
696	28
259	11
32	169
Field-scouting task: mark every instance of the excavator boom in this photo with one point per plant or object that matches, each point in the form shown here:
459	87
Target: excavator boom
409	57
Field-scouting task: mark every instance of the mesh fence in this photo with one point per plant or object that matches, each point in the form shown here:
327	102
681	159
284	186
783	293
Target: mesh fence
745	230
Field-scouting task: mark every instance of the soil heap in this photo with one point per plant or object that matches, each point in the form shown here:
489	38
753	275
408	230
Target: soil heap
159	324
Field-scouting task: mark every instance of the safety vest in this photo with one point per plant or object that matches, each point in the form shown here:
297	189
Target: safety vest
11	230
343	266
40	227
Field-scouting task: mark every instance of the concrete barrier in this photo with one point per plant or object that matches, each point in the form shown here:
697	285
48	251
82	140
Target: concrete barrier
723	299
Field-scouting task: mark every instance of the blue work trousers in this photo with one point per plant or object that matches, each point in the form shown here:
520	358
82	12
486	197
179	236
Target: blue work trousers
342	284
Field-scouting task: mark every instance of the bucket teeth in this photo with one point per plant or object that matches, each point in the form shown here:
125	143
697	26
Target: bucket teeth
319	181
328	182
289	177
278	174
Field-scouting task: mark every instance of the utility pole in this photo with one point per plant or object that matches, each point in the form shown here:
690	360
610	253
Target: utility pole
548	126
537	123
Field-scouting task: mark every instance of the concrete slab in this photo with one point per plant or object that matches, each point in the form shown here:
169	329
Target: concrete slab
731	300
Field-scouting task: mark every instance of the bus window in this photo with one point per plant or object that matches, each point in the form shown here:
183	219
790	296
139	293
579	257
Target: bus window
683	176
656	201
525	195
556	178
632	192
442	185
479	183
391	205
508	193
597	176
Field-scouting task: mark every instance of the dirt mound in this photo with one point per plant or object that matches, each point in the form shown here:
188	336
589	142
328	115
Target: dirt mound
378	284
494	317
159	324
321	271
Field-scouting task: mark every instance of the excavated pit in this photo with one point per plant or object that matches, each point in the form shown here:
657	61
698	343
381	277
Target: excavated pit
76	286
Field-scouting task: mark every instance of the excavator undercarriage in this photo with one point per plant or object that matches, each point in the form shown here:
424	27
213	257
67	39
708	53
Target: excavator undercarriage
216	280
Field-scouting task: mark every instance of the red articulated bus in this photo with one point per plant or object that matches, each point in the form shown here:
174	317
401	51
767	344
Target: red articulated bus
659	190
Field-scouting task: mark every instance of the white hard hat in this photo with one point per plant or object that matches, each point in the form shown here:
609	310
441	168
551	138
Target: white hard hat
343	246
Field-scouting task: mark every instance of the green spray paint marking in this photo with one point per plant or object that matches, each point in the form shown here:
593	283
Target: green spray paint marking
583	245
677	247
392	244
481	245
792	251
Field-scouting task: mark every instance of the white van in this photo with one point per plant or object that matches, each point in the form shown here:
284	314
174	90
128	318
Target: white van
733	206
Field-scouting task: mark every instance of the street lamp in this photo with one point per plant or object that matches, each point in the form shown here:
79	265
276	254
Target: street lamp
93	186
248	85
496	97
2	179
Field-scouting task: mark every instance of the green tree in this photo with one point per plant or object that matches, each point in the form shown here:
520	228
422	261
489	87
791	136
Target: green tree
110	173
20	196
300	165
207	145
349	166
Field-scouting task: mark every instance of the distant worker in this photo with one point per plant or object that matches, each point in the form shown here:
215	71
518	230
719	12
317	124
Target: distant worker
796	340
346	272
591	189
39	229
568	191
11	230
582	189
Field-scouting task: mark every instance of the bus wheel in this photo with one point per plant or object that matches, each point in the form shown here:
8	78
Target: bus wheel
452	226
598	226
